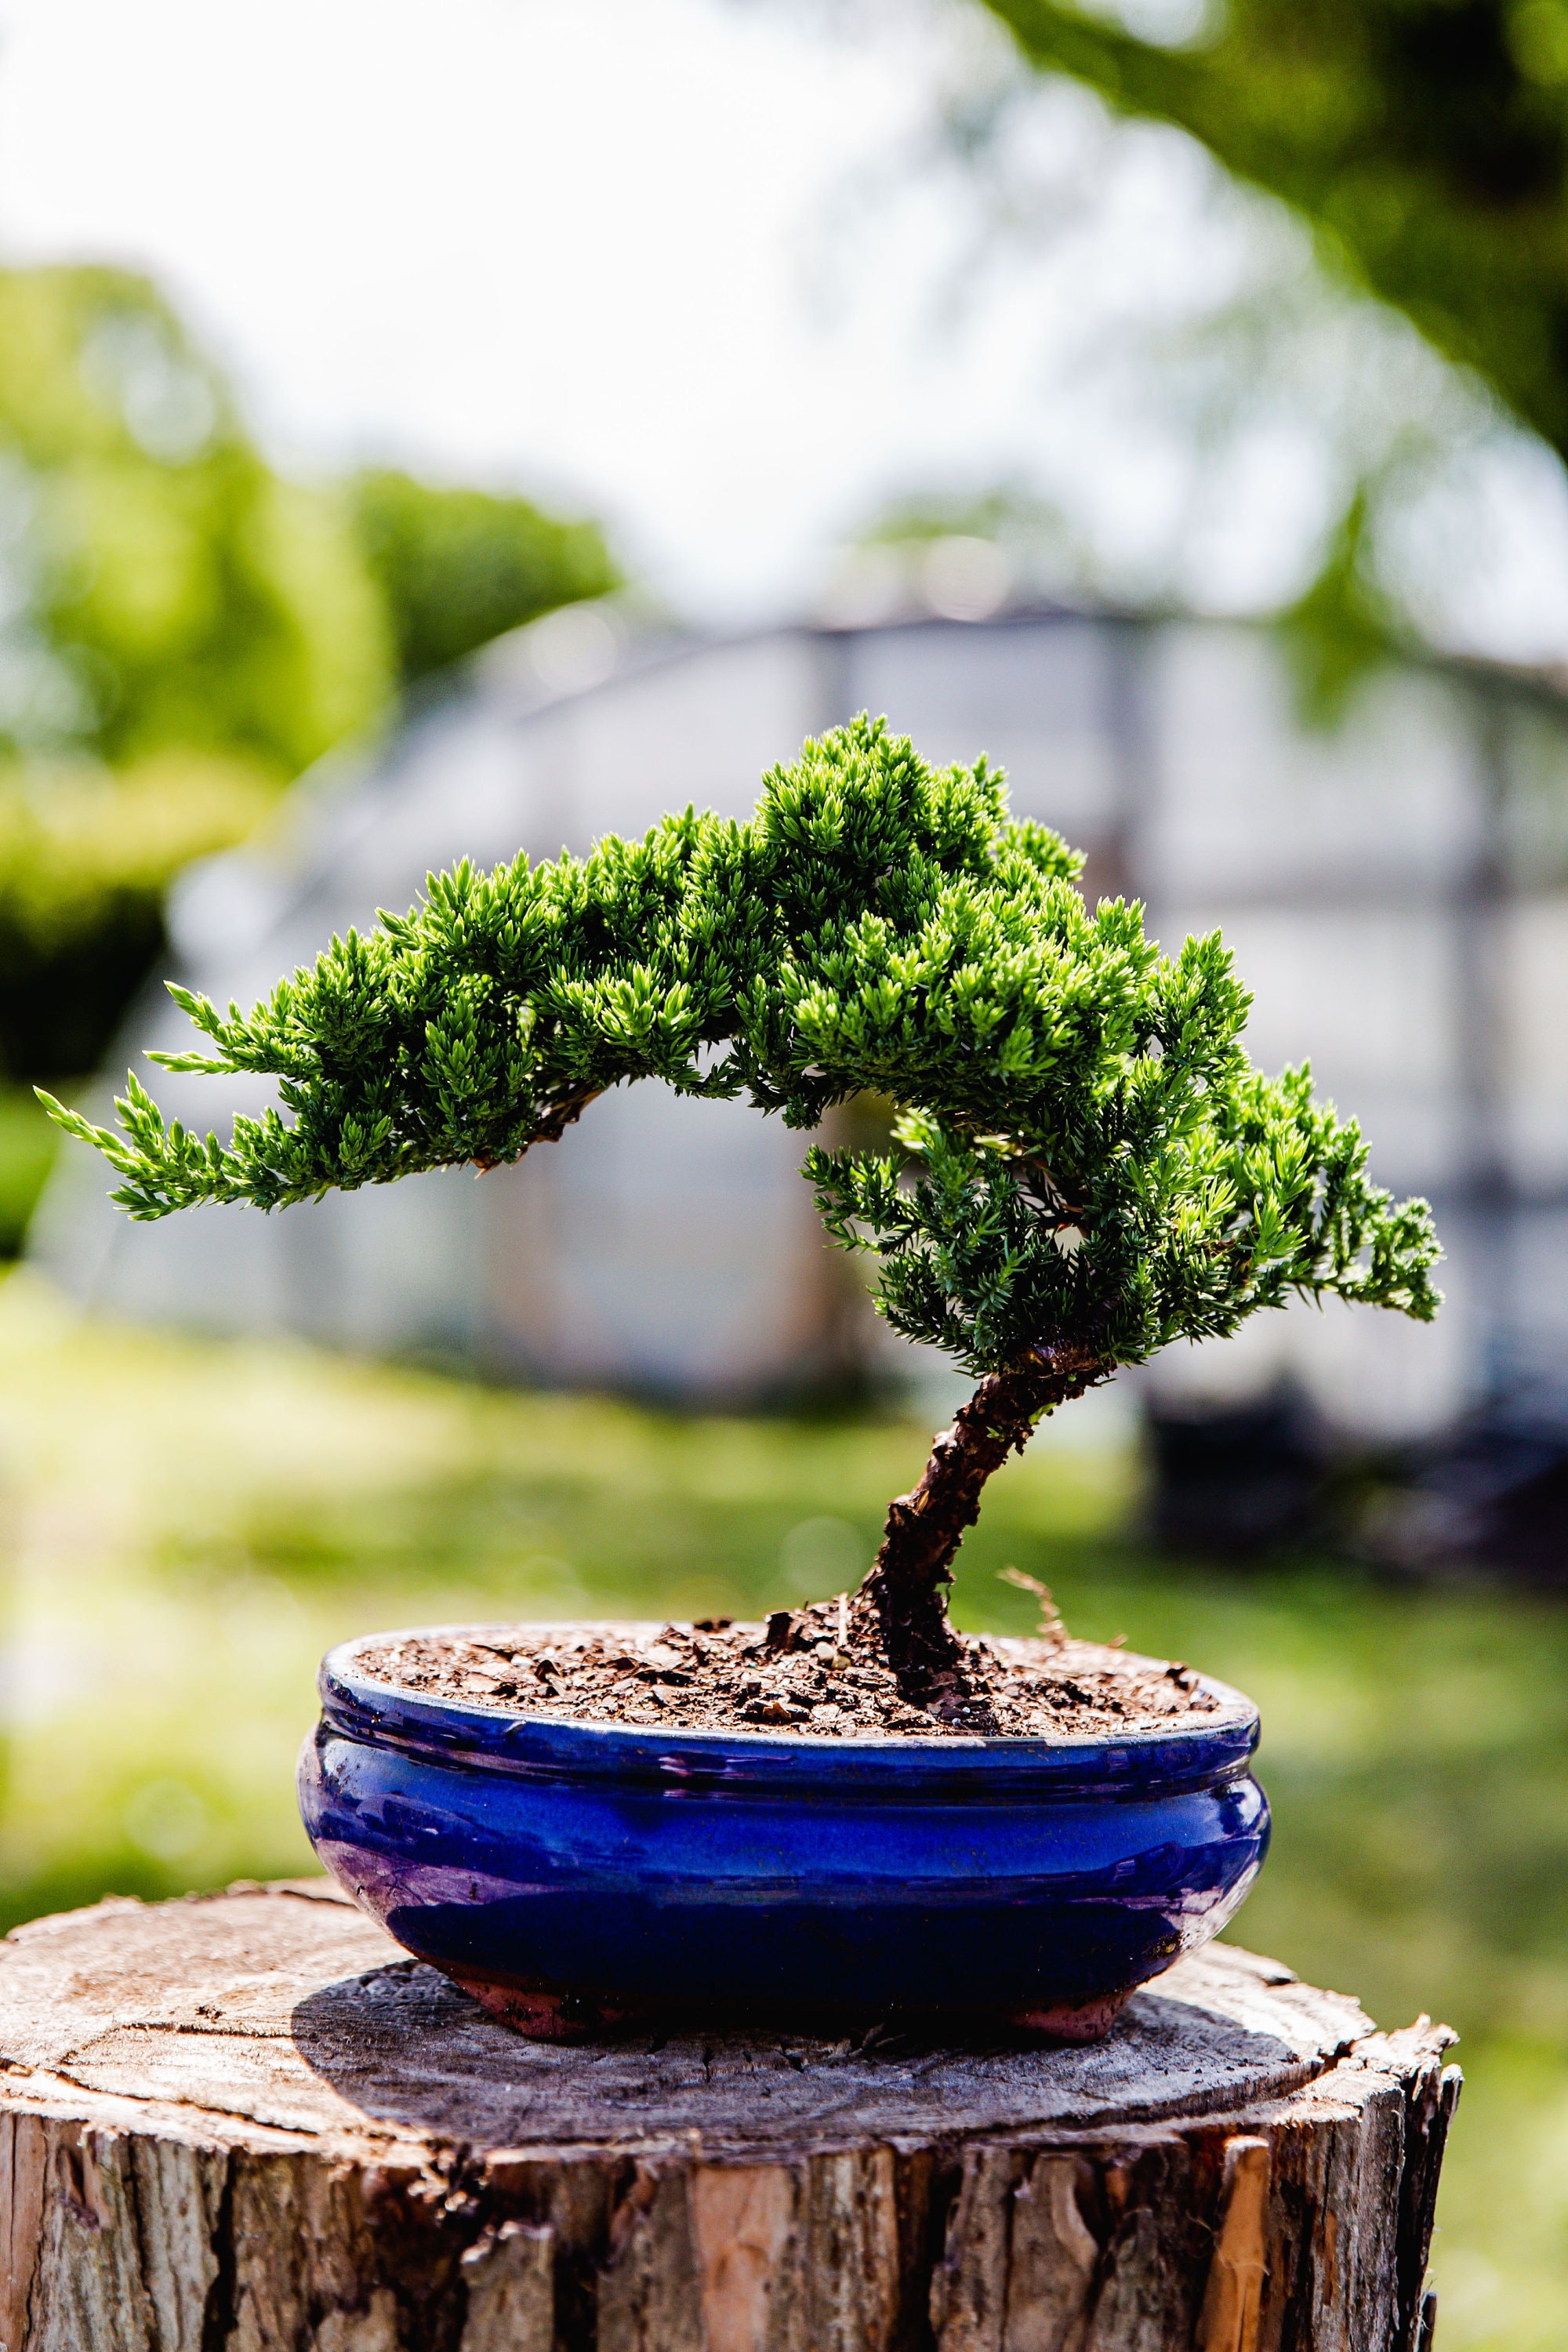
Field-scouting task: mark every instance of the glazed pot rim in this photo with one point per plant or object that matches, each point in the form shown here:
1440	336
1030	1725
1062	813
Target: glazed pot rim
1152	1759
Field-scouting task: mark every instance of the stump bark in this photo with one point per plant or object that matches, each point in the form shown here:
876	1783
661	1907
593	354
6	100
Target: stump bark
247	2123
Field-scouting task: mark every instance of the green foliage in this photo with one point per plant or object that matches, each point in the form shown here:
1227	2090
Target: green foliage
1342	629
181	631
1428	139
456	567
86	856
1085	1147
169	588
28	1147
1187	1224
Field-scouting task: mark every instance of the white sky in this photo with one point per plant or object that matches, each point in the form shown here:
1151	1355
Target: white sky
557	241
574	244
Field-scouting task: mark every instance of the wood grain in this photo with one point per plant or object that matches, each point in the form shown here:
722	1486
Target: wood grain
249	2121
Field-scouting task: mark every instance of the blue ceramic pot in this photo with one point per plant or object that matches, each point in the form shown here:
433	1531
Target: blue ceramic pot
574	1874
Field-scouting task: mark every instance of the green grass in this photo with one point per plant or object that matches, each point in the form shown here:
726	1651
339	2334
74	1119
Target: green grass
187	1526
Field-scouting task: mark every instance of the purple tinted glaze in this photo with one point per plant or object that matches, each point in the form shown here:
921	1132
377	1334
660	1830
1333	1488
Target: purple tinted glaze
741	1871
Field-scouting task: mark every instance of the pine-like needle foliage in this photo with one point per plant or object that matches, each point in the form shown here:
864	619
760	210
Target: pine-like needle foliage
1085	1152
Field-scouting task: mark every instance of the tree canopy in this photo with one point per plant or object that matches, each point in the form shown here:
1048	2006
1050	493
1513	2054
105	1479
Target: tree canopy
1428	139
182	631
457	567
166	587
1085	1153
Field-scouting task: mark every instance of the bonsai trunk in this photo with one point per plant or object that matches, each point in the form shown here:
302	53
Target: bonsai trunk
907	1584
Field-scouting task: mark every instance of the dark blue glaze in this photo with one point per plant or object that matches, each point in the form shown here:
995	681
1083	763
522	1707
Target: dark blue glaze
754	1869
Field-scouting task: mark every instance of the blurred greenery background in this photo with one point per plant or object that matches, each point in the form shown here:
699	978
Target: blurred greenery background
182	631
188	1525
185	629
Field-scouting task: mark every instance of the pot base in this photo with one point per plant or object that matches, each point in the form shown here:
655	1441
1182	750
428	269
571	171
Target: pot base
540	2013
1069	2021
583	1880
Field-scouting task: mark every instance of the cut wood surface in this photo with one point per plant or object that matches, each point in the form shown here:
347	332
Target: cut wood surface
248	2122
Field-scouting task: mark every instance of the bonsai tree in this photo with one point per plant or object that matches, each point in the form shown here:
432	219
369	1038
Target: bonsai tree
1087	1166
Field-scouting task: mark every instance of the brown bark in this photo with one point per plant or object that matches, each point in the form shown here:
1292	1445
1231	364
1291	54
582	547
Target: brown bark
907	1583
249	2124
554	1122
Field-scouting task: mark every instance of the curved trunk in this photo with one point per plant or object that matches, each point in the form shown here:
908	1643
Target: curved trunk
908	1581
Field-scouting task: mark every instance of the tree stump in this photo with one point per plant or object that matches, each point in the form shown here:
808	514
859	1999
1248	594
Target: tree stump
247	2123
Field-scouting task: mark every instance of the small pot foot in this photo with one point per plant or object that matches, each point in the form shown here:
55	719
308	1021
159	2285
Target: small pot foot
1069	2021
540	2015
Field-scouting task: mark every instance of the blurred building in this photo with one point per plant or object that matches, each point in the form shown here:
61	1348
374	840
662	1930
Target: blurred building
1394	889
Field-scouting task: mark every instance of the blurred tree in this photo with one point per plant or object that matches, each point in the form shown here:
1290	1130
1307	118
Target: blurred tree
456	567
1342	626
162	585
86	856
1426	138
182	631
